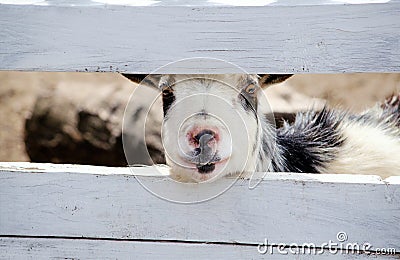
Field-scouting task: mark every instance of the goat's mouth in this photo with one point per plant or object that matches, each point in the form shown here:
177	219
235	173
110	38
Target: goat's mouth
204	163
211	167
206	168
196	172
202	170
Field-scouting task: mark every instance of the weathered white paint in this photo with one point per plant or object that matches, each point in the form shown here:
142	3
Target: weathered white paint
281	38
28	167
39	248
188	2
162	170
23	2
36	200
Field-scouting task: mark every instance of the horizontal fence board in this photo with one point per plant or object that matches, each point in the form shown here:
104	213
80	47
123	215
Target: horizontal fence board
274	39
39	248
37	200
191	3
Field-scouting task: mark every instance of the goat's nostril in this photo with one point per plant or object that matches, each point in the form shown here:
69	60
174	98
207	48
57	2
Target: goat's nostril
197	151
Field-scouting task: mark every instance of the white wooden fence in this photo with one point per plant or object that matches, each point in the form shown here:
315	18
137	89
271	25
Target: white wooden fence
88	212
65	211
288	36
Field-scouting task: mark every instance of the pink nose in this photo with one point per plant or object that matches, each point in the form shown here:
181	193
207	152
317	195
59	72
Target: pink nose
200	137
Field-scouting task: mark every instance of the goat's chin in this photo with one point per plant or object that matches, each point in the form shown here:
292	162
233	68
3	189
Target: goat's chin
191	174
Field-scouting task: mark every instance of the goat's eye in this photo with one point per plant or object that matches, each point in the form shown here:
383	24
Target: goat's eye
250	89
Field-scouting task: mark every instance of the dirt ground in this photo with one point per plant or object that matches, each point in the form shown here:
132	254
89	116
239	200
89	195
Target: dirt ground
18	91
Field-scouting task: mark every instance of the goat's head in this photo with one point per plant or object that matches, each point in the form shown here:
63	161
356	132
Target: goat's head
211	123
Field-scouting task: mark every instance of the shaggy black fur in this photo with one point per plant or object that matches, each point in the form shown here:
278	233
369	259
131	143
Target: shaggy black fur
314	138
310	142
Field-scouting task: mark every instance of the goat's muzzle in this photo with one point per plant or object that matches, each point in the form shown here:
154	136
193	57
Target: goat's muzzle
204	154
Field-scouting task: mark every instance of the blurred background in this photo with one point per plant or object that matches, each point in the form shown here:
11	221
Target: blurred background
77	117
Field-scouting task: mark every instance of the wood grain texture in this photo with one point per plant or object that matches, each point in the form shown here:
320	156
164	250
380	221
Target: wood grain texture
283	208
274	39
39	248
192	3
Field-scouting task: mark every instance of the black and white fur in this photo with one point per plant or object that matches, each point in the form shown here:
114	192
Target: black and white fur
214	126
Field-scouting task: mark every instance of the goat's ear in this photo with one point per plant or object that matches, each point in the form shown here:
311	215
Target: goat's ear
270	79
151	80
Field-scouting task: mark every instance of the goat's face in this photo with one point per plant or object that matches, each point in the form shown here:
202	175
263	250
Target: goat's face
210	124
211	127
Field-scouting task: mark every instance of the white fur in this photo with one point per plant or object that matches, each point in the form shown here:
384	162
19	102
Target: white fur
368	149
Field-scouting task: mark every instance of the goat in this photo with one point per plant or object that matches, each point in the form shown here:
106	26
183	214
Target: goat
213	126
